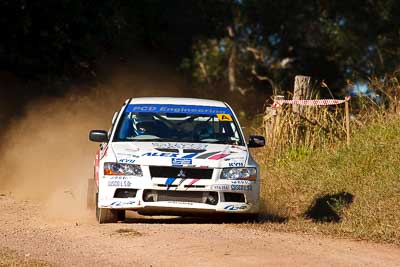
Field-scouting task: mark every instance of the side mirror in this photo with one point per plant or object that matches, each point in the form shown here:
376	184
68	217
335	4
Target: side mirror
256	141
98	136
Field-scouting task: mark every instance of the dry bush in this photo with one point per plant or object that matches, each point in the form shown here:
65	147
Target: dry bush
307	161
388	89
292	134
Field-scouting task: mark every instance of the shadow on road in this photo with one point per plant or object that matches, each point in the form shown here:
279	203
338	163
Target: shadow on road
132	217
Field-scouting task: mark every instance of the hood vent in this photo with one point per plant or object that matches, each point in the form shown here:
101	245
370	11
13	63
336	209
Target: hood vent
194	151
172	150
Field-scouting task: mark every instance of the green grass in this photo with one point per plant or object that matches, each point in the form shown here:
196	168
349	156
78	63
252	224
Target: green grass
367	172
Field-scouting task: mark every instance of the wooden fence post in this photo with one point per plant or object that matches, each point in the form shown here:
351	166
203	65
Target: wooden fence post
302	90
346	107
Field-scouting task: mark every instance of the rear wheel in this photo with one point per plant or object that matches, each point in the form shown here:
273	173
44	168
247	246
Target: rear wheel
108	215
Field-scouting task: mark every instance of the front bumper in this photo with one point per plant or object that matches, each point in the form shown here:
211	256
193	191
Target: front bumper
160	196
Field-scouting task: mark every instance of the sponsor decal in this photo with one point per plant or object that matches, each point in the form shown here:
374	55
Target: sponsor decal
192	183
241	187
236	164
169	155
126	155
235	158
186	159
180	109
220	187
232	187
117	183
181	175
162	154
180	182
122	203
180	146
119	177
242	182
126	161
218	156
180	202
206	155
180	161
224	117
169	182
235	207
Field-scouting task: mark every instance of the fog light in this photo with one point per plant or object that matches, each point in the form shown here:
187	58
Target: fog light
125	193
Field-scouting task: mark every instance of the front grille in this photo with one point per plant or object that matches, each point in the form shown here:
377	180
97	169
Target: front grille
210	198
172	172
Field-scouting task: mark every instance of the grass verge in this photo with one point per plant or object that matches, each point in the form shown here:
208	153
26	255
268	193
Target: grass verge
346	192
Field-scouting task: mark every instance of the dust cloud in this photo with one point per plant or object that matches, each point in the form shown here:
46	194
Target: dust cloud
46	154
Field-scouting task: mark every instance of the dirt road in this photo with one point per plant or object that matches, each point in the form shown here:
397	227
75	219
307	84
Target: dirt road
171	242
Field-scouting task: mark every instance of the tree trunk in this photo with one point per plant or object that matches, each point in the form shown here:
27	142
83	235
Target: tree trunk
231	68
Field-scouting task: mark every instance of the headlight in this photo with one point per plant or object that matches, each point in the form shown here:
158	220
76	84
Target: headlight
111	168
249	174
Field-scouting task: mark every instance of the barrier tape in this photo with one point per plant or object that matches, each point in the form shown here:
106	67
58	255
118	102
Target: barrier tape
311	102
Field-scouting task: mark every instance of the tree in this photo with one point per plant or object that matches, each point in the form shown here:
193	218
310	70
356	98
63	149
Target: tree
269	42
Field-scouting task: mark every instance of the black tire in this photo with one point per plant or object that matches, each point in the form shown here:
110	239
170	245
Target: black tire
108	215
91	194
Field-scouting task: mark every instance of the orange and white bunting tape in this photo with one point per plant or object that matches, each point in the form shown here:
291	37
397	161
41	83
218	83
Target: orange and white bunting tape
311	102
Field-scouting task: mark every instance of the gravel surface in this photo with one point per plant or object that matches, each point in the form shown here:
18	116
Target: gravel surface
145	241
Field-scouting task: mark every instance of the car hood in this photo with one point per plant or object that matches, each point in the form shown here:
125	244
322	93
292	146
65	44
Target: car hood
180	154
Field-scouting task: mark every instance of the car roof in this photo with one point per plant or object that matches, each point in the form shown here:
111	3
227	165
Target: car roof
177	101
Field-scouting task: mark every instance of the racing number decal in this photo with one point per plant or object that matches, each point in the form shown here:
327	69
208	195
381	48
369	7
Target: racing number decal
224	117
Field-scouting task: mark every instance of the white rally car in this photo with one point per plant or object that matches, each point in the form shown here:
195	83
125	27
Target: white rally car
174	156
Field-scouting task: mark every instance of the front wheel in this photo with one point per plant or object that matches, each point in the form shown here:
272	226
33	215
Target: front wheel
108	215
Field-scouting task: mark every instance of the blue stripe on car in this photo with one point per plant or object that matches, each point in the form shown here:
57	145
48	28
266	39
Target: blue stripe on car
181	109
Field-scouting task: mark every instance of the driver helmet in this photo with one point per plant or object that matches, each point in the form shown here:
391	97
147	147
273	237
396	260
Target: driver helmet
144	123
204	131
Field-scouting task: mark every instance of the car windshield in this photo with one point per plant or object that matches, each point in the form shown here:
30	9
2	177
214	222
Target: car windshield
178	123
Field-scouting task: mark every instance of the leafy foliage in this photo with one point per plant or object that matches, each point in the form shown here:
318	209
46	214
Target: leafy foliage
330	40
242	45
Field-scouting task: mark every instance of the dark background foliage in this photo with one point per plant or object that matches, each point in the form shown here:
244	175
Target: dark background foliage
47	45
